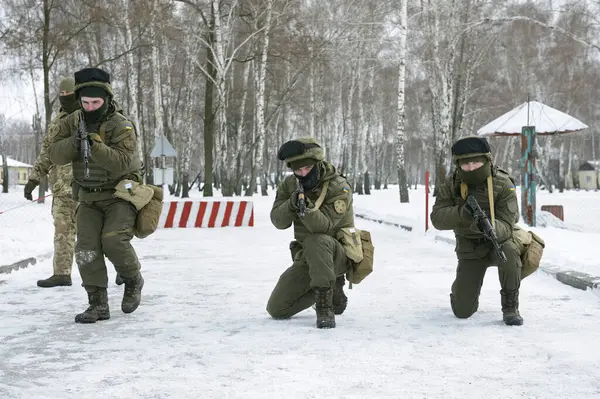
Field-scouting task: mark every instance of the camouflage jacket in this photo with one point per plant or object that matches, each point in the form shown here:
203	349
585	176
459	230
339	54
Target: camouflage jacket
470	242
60	177
114	155
335	213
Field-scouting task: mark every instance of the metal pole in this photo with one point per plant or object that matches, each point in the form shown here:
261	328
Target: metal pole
528	180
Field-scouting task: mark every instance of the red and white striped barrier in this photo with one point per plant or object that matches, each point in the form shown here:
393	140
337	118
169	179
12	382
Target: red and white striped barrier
188	214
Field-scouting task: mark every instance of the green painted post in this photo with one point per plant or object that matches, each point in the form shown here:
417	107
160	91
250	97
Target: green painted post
528	181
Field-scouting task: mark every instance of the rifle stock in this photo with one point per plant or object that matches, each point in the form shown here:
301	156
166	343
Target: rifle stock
484	222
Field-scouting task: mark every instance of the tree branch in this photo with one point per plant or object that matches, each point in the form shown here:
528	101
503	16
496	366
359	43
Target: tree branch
116	57
502	20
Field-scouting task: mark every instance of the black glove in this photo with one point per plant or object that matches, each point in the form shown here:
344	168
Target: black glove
293	201
466	213
78	142
29	187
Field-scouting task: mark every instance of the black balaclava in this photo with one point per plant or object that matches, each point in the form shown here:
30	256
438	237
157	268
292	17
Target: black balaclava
68	103
472	149
478	175
94	117
311	180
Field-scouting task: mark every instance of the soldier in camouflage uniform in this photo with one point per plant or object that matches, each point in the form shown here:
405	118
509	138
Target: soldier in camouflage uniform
104	223
319	260
494	190
63	204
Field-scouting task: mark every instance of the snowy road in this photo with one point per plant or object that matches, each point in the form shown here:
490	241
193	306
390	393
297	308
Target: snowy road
202	330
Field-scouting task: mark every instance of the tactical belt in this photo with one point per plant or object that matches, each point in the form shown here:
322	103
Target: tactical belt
97	190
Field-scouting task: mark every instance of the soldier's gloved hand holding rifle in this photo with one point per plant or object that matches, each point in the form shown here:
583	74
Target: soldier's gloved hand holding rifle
84	147
298	200
484	224
85	141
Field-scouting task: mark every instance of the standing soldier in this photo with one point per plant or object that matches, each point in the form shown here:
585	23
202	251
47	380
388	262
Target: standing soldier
63	204
319	259
104	223
494	190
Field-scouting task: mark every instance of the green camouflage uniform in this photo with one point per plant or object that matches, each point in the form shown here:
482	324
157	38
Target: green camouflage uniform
104	223
475	253
63	205
318	257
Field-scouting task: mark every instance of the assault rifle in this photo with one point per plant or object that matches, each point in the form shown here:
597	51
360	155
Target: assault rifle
484	224
85	147
301	199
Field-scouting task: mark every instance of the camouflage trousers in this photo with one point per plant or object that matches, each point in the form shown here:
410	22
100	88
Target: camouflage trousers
466	287
321	259
105	228
63	213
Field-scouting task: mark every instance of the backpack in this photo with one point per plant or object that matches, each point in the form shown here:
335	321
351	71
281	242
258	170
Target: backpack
359	249
532	248
146	221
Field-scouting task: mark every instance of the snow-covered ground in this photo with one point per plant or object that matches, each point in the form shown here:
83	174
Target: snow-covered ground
202	330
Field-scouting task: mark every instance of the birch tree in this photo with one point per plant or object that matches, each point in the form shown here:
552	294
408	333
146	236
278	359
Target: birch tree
131	76
450	66
400	131
157	106
260	101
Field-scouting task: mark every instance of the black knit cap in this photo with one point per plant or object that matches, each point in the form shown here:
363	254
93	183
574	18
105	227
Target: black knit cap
294	148
91	75
471	145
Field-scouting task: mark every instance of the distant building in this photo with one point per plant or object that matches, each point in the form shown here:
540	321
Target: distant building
18	172
588	175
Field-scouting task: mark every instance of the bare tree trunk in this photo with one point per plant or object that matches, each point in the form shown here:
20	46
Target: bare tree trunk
3	155
350	131
400	131
260	102
131	79
209	118
561	167
542	163
156	80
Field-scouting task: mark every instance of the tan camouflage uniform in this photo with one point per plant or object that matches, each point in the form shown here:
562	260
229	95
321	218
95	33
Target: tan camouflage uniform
63	205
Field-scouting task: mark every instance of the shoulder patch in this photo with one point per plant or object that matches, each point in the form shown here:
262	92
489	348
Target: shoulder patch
340	206
123	130
129	143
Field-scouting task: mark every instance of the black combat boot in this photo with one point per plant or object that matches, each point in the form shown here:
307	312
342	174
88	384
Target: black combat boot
324	307
133	293
510	308
119	280
340	300
55	281
98	309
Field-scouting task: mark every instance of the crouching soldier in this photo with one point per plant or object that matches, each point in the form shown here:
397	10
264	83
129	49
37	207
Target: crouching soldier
494	191
318	202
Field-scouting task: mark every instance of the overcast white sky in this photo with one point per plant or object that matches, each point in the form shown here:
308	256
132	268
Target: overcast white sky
17	100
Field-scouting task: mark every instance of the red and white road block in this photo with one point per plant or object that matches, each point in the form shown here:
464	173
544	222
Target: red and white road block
189	214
